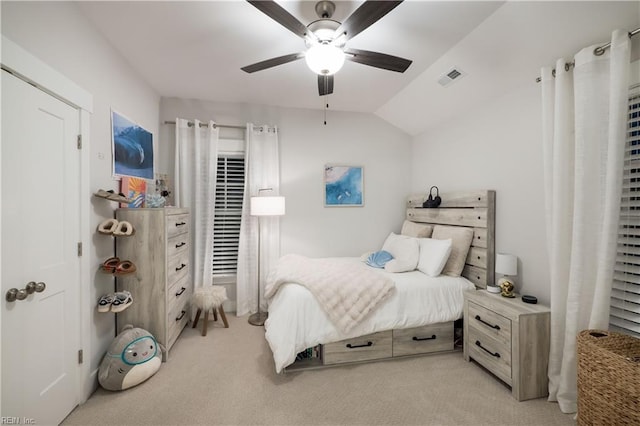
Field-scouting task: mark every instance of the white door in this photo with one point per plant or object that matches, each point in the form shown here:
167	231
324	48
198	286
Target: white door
40	233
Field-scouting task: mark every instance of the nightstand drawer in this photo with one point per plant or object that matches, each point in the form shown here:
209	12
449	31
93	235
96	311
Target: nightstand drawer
371	346
490	323
495	356
422	340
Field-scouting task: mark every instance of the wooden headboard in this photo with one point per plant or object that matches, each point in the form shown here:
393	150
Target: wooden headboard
473	209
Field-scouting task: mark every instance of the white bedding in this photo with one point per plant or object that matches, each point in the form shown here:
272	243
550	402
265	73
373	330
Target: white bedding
297	322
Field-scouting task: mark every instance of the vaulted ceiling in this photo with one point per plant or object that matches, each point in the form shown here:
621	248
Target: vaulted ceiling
195	49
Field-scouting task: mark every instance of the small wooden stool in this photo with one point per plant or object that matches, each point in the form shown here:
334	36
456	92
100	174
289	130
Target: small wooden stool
209	299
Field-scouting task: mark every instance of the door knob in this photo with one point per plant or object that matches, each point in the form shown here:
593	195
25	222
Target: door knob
21	294
11	295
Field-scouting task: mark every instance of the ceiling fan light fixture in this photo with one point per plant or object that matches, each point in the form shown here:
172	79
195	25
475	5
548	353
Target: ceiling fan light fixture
324	59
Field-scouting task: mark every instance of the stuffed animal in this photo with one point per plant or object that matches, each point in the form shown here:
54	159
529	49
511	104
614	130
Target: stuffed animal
133	357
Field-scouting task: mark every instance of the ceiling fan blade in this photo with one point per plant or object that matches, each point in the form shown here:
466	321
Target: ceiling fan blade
276	12
378	60
259	66
325	84
366	15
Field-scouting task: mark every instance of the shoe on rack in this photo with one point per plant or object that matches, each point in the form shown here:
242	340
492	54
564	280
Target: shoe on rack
109	266
124	229
121	301
111	195
104	304
124	268
108	227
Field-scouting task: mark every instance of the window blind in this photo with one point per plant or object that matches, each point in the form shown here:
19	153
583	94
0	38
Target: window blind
228	212
625	294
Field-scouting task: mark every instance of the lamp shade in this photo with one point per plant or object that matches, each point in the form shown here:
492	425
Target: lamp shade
267	206
506	264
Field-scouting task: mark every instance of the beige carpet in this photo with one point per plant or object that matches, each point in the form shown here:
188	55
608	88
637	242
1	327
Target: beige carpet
228	378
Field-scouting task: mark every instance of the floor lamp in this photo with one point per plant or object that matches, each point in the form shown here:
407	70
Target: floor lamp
264	206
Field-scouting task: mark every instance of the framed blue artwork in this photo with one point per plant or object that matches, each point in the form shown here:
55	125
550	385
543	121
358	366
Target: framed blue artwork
343	186
132	148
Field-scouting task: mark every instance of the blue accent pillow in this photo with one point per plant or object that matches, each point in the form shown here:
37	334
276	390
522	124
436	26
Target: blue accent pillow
379	258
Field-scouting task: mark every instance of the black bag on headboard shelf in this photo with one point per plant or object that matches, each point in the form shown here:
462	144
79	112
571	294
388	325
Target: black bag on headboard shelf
432	202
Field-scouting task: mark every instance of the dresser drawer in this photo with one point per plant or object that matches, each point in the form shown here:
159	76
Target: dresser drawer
177	244
176	319
491	353
425	339
177	268
178	292
490	323
363	348
177	224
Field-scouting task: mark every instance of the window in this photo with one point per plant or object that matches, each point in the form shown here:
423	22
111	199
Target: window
625	295
228	213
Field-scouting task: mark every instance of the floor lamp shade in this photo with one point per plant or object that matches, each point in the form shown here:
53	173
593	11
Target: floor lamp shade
267	206
264	206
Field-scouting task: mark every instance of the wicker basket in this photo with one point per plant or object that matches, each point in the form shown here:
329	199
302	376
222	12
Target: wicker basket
608	378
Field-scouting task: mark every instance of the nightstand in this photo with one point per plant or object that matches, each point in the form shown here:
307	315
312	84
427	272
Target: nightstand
509	338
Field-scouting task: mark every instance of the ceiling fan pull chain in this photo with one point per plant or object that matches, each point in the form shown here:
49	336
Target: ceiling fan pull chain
326	105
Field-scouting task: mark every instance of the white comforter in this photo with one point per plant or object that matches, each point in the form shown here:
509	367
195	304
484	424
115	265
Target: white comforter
296	320
345	290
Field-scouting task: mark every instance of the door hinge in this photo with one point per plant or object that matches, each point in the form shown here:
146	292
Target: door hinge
80	356
79	249
79	141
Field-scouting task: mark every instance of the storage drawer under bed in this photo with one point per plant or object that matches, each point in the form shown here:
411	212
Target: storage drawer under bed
422	340
363	348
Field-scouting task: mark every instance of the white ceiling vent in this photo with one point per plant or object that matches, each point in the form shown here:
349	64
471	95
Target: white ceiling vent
454	73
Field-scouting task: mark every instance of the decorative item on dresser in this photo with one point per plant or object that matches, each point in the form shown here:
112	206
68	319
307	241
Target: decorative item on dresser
509	338
161	285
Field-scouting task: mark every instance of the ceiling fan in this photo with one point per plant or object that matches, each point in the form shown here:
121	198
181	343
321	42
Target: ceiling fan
326	40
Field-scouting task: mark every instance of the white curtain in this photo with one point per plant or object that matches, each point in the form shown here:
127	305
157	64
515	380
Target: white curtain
262	170
195	186
584	124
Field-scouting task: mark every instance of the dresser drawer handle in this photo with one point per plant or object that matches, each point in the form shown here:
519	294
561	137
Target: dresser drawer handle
180	223
350	346
182	265
419	339
497	327
180	245
181	315
497	355
182	290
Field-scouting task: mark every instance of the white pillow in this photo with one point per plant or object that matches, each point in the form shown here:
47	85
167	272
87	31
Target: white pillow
405	252
433	255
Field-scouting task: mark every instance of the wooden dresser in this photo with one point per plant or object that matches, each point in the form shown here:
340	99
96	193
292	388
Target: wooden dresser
509	338
160	287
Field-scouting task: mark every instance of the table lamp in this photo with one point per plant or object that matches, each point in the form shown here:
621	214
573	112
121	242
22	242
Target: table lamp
507	265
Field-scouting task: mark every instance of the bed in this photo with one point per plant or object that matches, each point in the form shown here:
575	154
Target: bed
417	317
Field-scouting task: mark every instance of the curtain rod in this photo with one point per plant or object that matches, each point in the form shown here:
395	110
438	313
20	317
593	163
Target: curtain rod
226	126
598	51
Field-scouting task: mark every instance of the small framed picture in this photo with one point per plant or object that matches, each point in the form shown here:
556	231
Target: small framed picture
132	148
343	186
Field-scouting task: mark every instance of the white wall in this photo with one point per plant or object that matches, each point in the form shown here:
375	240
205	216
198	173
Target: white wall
59	35
496	147
306	145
